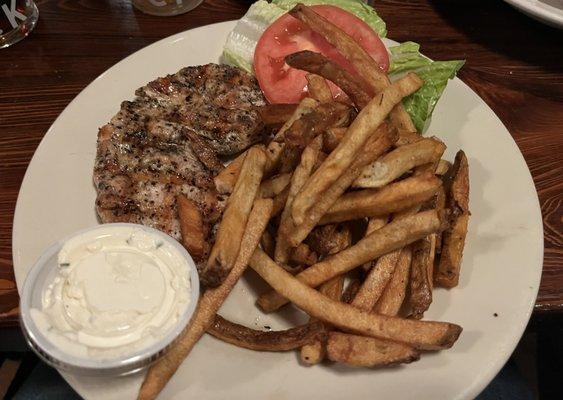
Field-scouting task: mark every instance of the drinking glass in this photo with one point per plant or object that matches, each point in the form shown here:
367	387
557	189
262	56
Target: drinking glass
17	19
166	8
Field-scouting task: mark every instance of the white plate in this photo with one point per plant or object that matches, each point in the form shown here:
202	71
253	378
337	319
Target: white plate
549	12
501	267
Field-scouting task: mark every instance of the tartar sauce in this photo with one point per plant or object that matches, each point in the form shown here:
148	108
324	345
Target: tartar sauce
116	291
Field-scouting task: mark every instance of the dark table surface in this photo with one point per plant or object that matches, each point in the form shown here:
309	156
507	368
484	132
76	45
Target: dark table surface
514	63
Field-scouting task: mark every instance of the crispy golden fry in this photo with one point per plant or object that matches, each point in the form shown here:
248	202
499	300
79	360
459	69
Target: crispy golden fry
310	125
329	239
378	274
393	236
406	137
252	339
314	352
334	240
298	179
274	152
274	186
362	351
425	335
304	107
393	296
226	179
391	198
230	231
318	64
376	281
420	284
401	160
267	242
279	202
318	88
456	183
351	290
443	167
162	370
340	160
440	204
192	228
332	137
364	64
303	255
276	114
376	145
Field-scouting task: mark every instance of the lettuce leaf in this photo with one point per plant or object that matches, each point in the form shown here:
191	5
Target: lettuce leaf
241	42
405	58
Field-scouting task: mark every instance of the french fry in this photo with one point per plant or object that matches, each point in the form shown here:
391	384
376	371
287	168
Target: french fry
310	125
229	234
226	179
267	242
379	276
161	371
314	352
395	235
376	281
424	335
303	255
332	137
364	64
274	186
192	228
252	339
318	88
318	64
376	145
394	197
394	294
351	290
440	204
304	107
355	139
279	202
420	284
406	137
399	161
362	351
443	167
335	239
298	179
330	239
456	183
276	114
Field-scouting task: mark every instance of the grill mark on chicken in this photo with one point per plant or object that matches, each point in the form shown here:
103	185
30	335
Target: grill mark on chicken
166	142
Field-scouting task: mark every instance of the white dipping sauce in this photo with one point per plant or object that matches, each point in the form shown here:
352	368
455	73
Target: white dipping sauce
115	292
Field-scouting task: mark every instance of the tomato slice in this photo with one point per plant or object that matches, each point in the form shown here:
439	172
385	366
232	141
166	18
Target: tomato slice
283	84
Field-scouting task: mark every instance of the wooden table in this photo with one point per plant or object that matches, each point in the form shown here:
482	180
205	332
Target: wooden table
514	63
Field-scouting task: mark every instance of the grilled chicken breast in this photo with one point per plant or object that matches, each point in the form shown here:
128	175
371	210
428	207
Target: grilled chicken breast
166	142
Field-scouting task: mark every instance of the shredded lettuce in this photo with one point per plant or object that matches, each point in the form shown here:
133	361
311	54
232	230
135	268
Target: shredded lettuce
405	58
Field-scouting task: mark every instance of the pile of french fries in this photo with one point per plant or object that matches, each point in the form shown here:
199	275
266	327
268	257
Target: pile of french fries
348	213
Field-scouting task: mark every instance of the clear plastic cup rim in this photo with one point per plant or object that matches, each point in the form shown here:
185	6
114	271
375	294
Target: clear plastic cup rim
129	363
